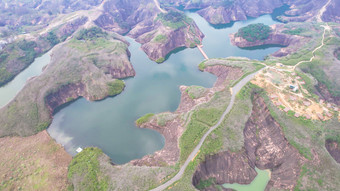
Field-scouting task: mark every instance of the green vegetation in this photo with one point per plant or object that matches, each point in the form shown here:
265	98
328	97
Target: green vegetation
254	32
302	150
160	60
115	87
173	19
22	53
208	116
52	38
202	66
29	52
195	92
190	138
144	119
90	34
85	169
206	183
201	120
296	31
160	38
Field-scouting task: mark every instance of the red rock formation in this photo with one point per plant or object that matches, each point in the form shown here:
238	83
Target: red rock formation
265	147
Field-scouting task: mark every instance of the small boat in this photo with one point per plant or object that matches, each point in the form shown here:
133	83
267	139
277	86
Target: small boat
79	149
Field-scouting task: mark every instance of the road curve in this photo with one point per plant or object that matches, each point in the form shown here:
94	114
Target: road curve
235	90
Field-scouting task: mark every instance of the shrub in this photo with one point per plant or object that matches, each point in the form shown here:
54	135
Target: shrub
254	32
115	87
160	38
144	119
85	169
160	60
52	38
173	19
89	34
297	31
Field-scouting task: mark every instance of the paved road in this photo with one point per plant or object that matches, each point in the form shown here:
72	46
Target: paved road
235	90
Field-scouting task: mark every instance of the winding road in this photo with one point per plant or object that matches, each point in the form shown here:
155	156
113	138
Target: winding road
193	154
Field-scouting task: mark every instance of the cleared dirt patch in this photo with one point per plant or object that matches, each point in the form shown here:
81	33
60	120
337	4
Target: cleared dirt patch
33	163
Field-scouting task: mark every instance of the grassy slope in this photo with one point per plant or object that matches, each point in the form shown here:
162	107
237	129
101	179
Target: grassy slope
33	163
72	63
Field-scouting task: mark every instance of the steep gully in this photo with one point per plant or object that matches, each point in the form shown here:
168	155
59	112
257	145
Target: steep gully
265	147
235	90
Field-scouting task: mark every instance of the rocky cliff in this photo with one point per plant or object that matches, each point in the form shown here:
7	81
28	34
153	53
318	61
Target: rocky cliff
158	36
76	69
265	147
334	149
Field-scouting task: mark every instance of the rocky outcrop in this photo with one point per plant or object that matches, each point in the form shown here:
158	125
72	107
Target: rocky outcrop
265	147
334	149
64	95
173	129
175	39
222	168
276	37
266	144
133	19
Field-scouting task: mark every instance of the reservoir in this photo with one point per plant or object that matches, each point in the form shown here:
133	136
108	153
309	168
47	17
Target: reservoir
109	124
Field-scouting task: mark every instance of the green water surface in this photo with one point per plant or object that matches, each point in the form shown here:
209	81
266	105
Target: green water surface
258	184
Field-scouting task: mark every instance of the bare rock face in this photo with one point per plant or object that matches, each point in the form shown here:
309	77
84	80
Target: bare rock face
265	147
334	150
223	166
64	95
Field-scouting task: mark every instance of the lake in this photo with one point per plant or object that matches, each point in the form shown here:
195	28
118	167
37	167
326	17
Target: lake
109	124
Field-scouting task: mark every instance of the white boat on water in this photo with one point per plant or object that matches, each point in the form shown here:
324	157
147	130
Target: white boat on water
79	149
